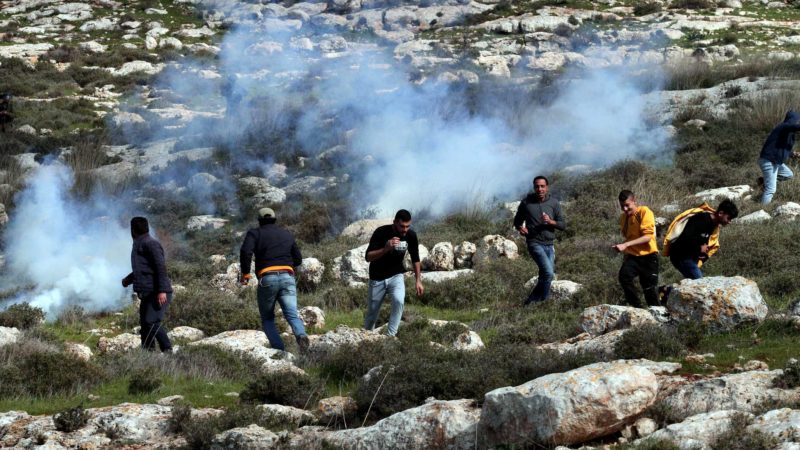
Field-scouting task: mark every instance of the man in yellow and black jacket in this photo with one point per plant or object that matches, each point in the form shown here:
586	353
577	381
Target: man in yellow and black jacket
638	226
277	256
693	236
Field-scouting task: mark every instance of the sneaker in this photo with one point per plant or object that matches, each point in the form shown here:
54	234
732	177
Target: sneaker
760	182
303	342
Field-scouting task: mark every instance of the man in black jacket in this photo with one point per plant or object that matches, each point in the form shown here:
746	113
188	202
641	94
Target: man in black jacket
277	256
151	283
775	152
537	218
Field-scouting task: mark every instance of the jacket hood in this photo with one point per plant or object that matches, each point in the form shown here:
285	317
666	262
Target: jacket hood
792	117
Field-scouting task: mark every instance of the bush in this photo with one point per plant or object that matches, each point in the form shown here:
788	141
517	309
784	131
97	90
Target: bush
649	342
214	311
645	8
790	378
284	389
22	316
32	368
738	437
144	381
200	431
71	420
692	4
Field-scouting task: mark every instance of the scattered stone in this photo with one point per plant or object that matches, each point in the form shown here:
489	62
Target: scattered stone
755	365
77	350
559	289
469	341
205	222
122	343
463	254
759	216
441	257
312	317
288	414
27	129
93	47
788	210
439	277
783	424
251	437
170	401
137	66
311	272
568	408
584	343
720	302
423	254
601	319
336	410
187	334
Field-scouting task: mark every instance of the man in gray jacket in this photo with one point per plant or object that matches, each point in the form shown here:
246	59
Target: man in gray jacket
537	218
151	283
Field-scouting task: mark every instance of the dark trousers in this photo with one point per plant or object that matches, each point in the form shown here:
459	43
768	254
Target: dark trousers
646	269
151	314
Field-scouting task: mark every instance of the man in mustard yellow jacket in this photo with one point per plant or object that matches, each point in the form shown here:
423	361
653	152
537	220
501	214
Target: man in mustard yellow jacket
694	236
638	225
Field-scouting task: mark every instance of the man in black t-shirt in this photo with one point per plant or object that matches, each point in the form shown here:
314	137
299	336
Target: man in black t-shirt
385	254
693	237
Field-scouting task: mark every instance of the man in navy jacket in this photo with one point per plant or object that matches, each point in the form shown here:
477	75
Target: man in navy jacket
151	283
776	150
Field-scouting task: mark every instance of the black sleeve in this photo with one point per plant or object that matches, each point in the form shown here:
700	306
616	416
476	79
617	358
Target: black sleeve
375	242
156	255
297	257
246	252
413	247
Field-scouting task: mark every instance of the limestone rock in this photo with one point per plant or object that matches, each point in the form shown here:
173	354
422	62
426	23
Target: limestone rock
124	119
788	210
252	343
759	216
251	437
570	407
423	254
103	24
336	410
731	192
340	337
438	277
311	272
696	432
288	414
93	47
441	257
352	268
783	424
469	341
8	335
597	320
602	346
184	333
363	229
741	391
205	222
312	317
494	247
119	344
559	289
463	254
77	350
436	425
720	302
137	66
169	401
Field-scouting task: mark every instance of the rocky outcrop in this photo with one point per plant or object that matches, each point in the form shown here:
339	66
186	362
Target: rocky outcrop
336	410
787	211
119	344
187	334
601	319
731	192
494	247
311	272
742	392
205	222
570	407
722	303
253	344
340	337
697	432
251	437
312	317
439	277
352	267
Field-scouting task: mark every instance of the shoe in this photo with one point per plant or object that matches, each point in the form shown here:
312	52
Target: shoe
303	342
760	182
663	294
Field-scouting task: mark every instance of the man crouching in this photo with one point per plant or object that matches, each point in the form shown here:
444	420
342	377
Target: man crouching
277	256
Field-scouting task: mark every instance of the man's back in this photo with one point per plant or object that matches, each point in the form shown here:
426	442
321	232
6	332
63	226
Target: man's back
272	246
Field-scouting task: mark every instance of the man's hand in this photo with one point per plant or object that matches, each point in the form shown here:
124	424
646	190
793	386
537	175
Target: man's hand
391	243
523	230
244	280
127	281
162	298
546	219
420	288
796	154
704	249
620	247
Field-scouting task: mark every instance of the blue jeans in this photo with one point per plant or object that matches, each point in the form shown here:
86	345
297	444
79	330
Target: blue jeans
687	267
278	287
772	174
544	255
395	287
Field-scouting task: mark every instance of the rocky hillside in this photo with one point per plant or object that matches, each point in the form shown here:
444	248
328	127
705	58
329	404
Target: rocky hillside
195	113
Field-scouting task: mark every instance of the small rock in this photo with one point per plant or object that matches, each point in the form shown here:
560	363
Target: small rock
312	317
169	401
336	410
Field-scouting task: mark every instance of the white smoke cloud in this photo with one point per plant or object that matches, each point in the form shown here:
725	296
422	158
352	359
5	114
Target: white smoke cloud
73	252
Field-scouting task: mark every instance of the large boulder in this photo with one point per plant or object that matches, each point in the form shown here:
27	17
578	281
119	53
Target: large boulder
312	317
601	319
363	229
436	425
722	303
8	335
744	391
463	254
254	344
352	268
423	255
570	407
258	192
494	247
697	432
340	337
441	257
311	272
119	344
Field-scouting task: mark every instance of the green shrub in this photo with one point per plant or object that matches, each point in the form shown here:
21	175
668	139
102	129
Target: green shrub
646	7
144	381
200	431
22	316
738	437
692	4
214	311
649	342
283	388
31	368
71	419
790	378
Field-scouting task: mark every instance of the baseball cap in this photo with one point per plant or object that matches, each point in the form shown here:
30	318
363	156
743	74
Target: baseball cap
266	213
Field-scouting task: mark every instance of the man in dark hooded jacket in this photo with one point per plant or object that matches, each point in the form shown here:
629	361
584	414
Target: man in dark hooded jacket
151	283
6	111
776	150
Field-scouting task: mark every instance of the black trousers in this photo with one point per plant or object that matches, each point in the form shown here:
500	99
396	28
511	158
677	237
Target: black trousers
151	314
646	269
